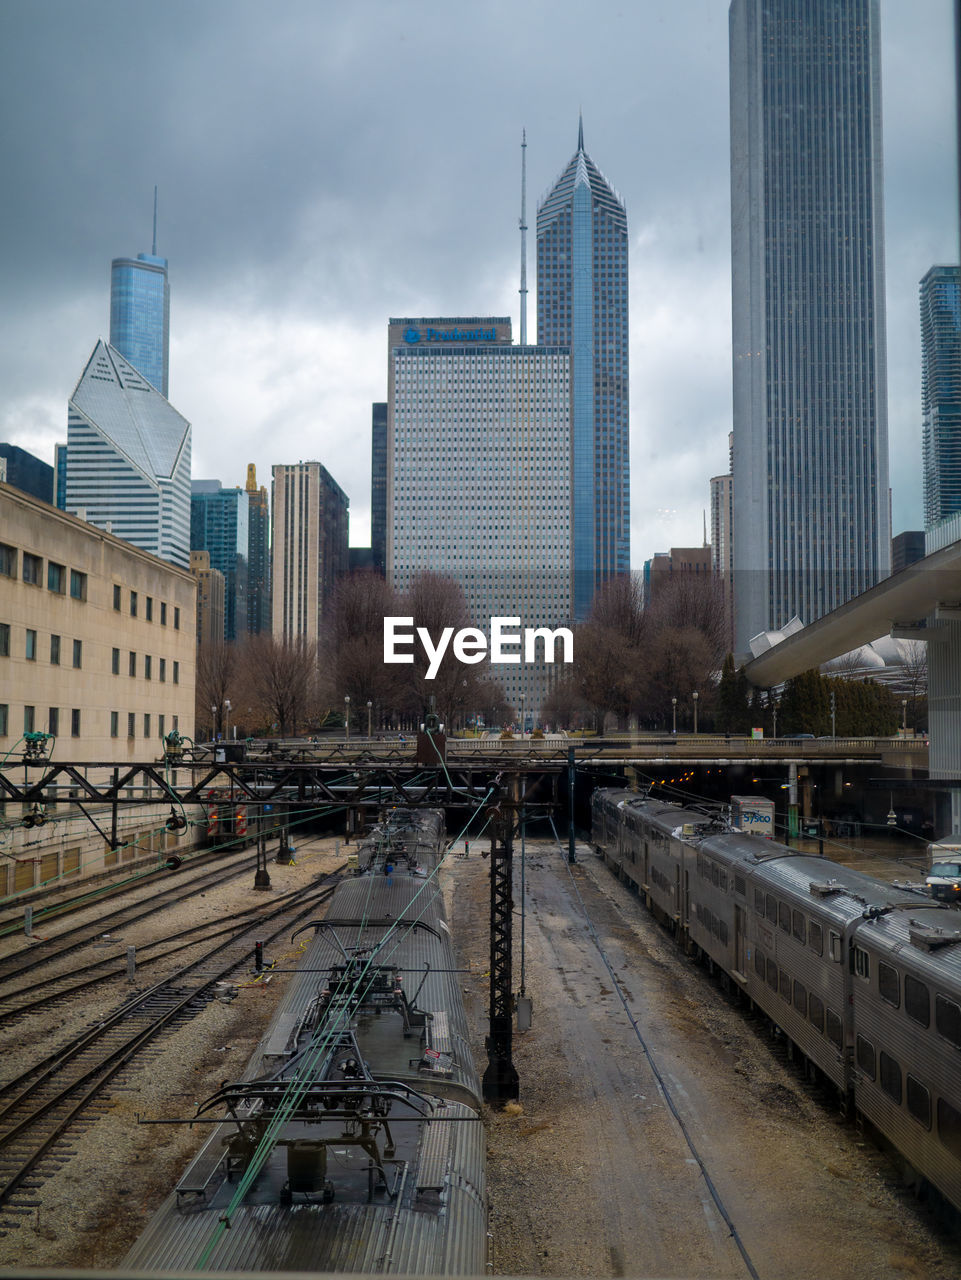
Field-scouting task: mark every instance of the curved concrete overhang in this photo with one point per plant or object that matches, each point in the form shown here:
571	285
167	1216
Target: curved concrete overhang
929	589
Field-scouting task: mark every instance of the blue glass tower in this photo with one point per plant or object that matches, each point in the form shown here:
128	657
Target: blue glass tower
582	303
140	312
219	524
941	392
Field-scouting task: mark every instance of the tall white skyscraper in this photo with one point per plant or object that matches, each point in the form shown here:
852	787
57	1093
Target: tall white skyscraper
479	475
309	540
811	527
128	458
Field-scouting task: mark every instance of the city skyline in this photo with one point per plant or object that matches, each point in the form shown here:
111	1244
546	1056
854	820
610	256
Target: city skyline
283	273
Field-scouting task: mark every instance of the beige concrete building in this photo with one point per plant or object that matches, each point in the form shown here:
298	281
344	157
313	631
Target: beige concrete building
97	638
309	547
211	596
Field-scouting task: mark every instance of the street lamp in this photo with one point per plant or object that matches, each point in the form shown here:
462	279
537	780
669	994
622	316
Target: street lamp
694	696
226	719
370	707
774	716
523	719
213	720
347	715
904	716
674	716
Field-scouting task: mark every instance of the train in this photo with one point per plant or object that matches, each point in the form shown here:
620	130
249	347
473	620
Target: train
861	978
353	1141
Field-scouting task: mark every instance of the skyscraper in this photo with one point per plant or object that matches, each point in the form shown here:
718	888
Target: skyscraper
810	390
941	392
258	555
309	540
378	486
582	303
140	312
128	458
219	525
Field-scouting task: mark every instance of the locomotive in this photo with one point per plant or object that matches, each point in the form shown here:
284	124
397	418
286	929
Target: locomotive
353	1141
863	979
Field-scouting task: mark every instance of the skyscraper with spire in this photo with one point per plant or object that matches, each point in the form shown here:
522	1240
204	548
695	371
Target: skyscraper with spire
582	303
140	312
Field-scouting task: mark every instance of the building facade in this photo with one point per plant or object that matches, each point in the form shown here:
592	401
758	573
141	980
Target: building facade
479	476
24	471
211	597
378	486
309	537
97	638
258	555
128	458
219	525
812	525
582	304
140	315
722	549
941	393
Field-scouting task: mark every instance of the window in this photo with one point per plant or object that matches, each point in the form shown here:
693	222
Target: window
30	647
8	560
115	662
799	925
116	597
862	963
131	664
949	1127
53	720
78	585
163	613
784	916
759	962
890	1077
160	725
785	985
29	716
146	725
770	908
918	1098
864	1050
77	654
815	938
947	1019
4	639
115	724
771	974
131	724
176	673
56	577
75	723
833	1027
148	606
163	669
147	666
835	945
889	986
133	604
55	651
32	569
4	719
801	999
176	617
759	901
917	1002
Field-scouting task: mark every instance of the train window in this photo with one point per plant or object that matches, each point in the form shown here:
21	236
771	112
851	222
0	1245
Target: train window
785	986
722	882
890	1077
866	1057
917	1002
949	1127
759	962
799	925
740	886
862	963
715	874
834	945
815	938
919	1100
770	908
784	917
759	901
816	1012
833	1024
947	1019
772	975
801	999
889	986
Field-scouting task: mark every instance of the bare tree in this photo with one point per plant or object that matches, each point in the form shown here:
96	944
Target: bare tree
217	678
435	602
352	648
281	675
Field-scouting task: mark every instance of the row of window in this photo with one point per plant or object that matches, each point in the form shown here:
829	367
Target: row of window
793	922
147	724
808	1005
31	647
903	1087
917	997
134	604
31	722
147	666
59	578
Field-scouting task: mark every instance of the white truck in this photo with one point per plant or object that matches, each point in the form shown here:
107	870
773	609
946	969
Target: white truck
944	869
754	815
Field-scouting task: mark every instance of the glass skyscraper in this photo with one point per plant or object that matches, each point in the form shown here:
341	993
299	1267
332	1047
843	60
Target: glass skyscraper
582	304
811	525
140	315
941	393
378	486
219	525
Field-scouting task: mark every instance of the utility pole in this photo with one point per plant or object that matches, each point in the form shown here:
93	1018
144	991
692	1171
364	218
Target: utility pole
500	1082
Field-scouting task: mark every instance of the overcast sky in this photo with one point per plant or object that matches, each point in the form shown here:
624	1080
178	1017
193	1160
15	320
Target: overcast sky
323	166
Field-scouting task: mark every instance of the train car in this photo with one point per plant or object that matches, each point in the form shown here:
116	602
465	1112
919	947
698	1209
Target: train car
353	1142
864	979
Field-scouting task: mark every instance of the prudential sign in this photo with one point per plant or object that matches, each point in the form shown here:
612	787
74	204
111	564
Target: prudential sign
412	336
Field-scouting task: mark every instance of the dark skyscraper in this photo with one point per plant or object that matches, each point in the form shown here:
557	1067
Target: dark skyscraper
219	526
258	558
941	392
378	486
811	524
582	303
24	471
140	312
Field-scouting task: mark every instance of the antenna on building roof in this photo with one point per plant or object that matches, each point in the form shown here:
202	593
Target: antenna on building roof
704	514
523	288
154	249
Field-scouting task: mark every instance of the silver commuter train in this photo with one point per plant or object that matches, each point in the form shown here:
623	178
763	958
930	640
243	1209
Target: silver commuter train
354	1141
864	979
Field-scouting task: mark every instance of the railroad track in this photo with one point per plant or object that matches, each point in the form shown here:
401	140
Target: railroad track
64	1090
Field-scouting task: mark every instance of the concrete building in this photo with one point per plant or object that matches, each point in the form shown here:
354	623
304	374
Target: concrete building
479	475
941	393
97	637
211	594
24	471
582	304
812	526
310	547
128	458
722	546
